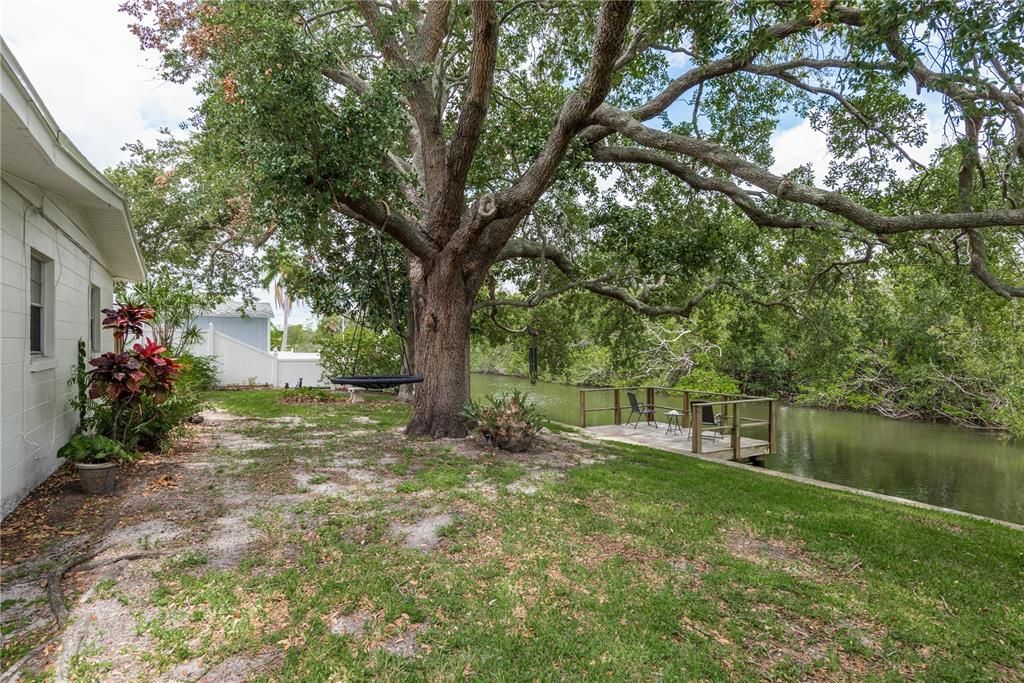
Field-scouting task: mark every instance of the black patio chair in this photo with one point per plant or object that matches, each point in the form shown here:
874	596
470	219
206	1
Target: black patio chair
640	410
709	418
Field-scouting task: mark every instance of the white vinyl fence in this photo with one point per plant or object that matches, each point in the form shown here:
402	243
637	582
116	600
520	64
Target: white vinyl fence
240	363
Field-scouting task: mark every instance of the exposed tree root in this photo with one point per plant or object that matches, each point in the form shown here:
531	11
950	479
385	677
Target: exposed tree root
140	555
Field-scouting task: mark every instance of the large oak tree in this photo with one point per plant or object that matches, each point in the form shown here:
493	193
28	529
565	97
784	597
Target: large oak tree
449	127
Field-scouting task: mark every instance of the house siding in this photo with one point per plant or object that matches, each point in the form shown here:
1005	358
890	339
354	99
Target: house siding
37	418
252	331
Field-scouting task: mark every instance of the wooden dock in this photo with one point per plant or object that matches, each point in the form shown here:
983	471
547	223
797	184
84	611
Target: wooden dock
695	432
680	442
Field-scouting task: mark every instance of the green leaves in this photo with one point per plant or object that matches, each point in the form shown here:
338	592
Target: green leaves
92	449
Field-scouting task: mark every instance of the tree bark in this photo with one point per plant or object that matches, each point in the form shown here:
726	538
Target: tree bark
443	305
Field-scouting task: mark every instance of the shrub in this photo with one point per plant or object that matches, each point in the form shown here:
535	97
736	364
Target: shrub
160	421
138	405
708	379
510	422
368	352
198	373
115	376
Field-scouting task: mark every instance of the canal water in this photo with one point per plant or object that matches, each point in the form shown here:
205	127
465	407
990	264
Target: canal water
933	463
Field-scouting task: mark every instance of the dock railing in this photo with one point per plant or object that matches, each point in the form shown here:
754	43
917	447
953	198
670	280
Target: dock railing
731	408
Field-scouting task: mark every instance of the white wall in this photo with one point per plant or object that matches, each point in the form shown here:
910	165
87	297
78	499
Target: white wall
36	417
240	363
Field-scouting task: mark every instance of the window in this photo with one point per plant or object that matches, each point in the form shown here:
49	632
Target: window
37	304
94	318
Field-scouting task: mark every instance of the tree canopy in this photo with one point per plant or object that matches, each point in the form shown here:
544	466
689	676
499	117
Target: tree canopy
515	152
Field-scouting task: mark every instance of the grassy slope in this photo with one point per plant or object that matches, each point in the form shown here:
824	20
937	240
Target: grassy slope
645	564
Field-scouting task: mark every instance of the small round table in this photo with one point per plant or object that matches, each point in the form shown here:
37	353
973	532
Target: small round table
673	422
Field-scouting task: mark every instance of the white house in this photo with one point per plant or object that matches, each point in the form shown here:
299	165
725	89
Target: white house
66	239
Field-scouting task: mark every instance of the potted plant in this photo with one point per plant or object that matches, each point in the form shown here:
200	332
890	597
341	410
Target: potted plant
119	400
96	458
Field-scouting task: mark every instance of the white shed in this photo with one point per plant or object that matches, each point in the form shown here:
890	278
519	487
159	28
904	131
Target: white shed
66	239
250	325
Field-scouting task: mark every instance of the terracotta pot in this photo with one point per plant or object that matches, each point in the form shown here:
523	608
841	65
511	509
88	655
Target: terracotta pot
97	479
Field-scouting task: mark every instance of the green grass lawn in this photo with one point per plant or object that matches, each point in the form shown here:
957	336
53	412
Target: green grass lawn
643	565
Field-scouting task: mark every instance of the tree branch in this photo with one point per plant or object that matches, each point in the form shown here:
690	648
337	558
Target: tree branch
379	216
740	197
515	202
723	66
433	31
471	117
535	250
791	190
428	141
979	266
776	71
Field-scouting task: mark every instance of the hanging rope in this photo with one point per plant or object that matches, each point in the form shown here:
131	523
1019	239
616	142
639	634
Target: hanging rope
359	332
392	310
534	351
385	272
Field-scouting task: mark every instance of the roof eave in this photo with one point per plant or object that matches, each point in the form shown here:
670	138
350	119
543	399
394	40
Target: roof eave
136	270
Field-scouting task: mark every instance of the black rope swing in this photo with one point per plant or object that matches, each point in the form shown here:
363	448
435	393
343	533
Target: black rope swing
377	381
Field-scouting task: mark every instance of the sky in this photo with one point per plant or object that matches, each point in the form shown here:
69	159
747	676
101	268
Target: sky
100	87
104	91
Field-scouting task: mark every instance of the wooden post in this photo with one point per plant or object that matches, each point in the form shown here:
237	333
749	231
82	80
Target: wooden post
772	425
736	447
618	408
583	409
650	403
725	408
696	436
686	409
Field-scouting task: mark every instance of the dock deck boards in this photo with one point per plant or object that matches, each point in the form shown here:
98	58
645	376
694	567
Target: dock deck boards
656	437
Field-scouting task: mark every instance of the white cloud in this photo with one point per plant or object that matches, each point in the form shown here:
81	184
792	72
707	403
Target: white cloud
798	146
677	60
88	69
802	145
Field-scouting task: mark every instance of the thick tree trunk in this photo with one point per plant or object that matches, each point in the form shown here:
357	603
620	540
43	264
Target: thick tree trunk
443	306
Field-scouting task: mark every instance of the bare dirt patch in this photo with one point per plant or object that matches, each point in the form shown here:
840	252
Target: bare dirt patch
353	625
549	453
179	504
234	441
745	544
404	644
599	548
319	484
234	669
423	535
232	535
810	642
399	638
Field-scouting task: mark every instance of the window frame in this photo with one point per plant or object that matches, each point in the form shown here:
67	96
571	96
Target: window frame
37	348
95	305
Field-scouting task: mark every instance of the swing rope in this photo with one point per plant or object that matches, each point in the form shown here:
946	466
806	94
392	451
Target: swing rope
378	381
